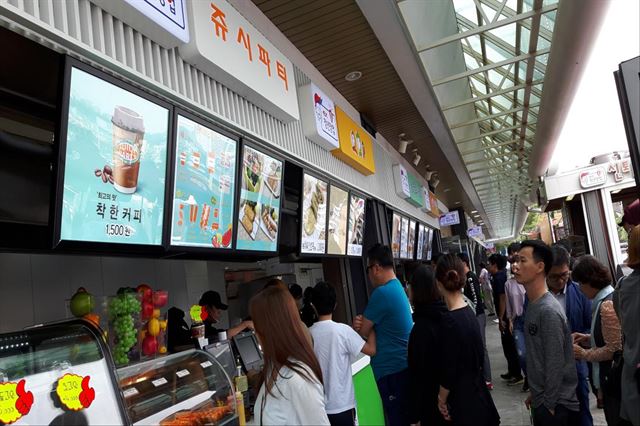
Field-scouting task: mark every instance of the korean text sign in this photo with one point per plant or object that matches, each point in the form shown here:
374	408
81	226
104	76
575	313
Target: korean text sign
115	164
230	49
204	189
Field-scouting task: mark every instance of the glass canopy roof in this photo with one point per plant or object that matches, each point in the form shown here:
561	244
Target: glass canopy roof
500	50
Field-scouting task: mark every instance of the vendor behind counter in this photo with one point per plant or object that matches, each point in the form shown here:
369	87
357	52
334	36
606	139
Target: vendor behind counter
213	304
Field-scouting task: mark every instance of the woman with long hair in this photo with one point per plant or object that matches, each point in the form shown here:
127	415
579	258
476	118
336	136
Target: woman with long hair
463	398
423	356
605	339
292	390
627	304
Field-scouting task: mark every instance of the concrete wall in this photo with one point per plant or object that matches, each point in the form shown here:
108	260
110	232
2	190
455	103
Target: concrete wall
34	288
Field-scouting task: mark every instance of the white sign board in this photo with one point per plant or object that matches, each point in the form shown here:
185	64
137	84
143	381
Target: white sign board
401	179
318	115
163	21
451	218
231	50
427	200
593	177
474	231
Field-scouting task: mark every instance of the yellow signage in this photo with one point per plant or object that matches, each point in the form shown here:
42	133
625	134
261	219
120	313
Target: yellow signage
74	392
356	146
15	401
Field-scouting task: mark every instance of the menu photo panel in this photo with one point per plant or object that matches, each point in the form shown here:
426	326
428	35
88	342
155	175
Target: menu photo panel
404	238
411	240
259	201
420	242
338	212
314	215
204	186
356	225
113	161
396	225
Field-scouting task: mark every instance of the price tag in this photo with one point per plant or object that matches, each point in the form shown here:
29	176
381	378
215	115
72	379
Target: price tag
159	382
182	373
206	364
74	392
15	401
128	393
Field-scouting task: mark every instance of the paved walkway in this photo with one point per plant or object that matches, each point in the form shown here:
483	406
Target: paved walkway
510	400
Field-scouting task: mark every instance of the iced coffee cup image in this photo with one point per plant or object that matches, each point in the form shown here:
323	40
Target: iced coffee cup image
128	139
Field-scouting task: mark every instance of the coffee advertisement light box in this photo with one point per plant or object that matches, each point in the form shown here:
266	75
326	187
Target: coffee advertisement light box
204	186
259	204
113	156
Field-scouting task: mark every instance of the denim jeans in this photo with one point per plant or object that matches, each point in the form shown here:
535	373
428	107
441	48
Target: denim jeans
518	335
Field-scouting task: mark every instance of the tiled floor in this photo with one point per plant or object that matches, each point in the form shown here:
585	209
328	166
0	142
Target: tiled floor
509	400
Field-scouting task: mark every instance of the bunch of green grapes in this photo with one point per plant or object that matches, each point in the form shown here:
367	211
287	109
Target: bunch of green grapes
121	309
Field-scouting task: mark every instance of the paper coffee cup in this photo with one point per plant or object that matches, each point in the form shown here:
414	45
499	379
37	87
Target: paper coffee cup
128	138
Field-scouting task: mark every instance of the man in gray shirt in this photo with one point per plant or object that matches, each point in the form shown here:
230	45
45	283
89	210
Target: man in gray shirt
550	365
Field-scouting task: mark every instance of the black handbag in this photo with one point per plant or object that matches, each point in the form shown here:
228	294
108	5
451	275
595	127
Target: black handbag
612	383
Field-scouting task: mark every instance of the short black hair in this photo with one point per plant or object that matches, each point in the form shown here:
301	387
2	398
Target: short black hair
483	265
499	260
435	257
589	270
561	256
296	291
324	298
541	253
464	257
423	287
513	248
381	255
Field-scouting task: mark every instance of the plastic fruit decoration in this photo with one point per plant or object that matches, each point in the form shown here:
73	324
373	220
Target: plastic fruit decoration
81	303
121	309
145	290
149	345
94	318
147	310
160	298
153	327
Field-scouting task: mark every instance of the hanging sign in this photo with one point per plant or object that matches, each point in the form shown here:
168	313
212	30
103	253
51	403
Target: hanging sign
401	180
15	401
318	115
474	231
451	218
356	146
426	200
74	392
415	189
163	21
435	211
228	48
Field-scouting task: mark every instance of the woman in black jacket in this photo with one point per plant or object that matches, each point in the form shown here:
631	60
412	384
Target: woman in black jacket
424	360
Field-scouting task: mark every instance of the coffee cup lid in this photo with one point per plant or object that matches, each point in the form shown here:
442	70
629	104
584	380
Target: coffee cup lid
127	119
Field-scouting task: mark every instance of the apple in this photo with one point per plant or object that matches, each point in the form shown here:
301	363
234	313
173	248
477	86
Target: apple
147	310
160	298
145	291
81	303
226	237
149	345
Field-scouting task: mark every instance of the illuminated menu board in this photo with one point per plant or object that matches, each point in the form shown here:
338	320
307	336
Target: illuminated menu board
114	151
205	170
404	238
338	212
396	224
420	242
314	215
356	225
259	203
412	239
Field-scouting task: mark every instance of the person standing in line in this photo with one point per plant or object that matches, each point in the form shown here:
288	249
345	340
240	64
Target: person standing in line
550	365
473	292
424	341
515	298
577	309
336	346
389	314
463	398
497	264
308	311
627	303
605	340
292	391
485	283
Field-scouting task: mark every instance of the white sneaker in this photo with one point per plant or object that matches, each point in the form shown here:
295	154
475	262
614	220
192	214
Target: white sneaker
496	320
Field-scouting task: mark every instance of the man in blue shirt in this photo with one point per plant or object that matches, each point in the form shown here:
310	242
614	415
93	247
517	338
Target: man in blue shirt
388	313
577	309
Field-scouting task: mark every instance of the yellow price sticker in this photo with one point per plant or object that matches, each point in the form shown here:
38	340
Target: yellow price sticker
15	401
74	392
198	313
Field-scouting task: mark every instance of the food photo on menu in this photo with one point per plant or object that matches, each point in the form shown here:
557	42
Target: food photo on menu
115	164
395	235
314	216
404	233
356	226
411	239
338	211
259	206
204	187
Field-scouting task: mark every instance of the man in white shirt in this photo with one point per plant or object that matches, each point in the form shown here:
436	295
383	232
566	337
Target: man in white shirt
336	346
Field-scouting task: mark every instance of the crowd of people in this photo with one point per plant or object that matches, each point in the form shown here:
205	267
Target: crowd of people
567	329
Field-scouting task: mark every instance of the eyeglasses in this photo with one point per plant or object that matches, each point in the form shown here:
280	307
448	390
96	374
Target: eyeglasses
558	277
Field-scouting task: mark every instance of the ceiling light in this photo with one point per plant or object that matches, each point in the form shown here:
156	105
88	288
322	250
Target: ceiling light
474	211
435	180
446	190
353	76
458	202
403	143
416	158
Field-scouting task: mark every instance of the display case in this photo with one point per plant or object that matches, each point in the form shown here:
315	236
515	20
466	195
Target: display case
59	373
186	388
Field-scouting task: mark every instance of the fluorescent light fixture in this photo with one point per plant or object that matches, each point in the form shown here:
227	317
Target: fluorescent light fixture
474	211
353	76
